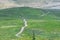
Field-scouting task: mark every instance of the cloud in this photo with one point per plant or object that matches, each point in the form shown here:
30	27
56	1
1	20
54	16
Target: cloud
29	3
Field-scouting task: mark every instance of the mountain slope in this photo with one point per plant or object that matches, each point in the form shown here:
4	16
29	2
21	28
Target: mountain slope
29	13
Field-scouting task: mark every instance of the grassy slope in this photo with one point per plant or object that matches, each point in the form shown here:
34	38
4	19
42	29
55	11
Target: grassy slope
47	23
29	13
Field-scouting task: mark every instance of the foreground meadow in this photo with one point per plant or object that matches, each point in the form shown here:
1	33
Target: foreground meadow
43	29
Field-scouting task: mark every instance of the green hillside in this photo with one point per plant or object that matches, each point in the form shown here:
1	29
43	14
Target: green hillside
44	22
29	13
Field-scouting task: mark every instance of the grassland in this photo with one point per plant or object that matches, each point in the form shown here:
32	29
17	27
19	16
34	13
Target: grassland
46	27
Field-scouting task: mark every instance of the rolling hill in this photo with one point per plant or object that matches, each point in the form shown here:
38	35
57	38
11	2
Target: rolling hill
44	22
29	13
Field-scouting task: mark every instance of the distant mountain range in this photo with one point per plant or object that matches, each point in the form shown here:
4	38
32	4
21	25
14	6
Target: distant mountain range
30	3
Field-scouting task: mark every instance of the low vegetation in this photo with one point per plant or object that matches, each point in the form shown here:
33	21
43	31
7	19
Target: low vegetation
45	27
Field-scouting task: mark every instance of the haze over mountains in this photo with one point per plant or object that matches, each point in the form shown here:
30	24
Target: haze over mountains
53	4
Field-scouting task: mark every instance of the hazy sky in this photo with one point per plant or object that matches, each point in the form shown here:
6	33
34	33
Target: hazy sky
45	3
